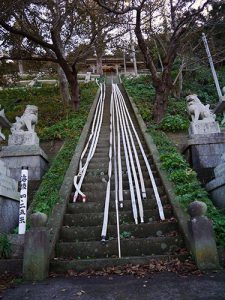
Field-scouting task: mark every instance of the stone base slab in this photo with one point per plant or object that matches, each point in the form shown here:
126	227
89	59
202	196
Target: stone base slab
33	156
204	127
9	214
204	153
23	138
216	188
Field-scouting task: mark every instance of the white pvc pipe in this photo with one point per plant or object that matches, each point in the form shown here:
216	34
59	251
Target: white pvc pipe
107	197
120	171
94	142
131	186
93	128
116	171
155	189
143	190
134	173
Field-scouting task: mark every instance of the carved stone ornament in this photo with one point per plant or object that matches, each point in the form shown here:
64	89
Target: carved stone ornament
197	110
27	121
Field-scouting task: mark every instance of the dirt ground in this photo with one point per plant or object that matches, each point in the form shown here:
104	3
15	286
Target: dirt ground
162	285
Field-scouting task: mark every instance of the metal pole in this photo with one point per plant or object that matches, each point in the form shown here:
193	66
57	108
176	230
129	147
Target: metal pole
212	66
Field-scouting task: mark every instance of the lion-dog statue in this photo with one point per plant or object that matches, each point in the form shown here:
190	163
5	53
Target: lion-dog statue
27	121
197	110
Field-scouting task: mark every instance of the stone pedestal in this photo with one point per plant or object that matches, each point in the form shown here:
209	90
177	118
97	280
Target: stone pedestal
204	126
203	152
203	238
216	187
36	249
16	156
9	200
23	138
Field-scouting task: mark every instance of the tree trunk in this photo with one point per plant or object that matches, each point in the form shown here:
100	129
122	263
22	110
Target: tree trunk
71	75
63	85
75	93
180	83
21	70
99	65
161	102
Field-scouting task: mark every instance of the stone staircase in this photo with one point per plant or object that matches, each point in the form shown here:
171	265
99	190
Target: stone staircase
79	246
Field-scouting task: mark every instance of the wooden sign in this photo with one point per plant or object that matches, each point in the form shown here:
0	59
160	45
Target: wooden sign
23	200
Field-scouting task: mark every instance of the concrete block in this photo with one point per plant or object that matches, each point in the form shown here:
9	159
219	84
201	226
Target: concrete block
9	214
32	156
204	153
36	249
203	238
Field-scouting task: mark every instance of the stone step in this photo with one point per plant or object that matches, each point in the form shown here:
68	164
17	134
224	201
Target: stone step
89	207
145	230
103	145
96	195
59	265
129	247
103	165
105	155
92	178
101	186
104	172
95	219
105	159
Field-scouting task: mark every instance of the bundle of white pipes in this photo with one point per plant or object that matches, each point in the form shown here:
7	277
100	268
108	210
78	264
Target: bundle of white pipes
91	145
121	125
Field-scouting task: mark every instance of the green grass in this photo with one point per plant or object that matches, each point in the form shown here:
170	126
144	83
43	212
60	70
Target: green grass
56	120
48	193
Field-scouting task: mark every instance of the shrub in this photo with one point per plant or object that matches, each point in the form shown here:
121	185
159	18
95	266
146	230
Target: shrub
187	187
5	246
174	123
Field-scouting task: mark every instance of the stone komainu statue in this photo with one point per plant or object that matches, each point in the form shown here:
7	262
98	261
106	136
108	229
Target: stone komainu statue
27	121
197	110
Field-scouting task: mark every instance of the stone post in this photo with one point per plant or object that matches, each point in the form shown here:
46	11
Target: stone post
203	240
36	249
